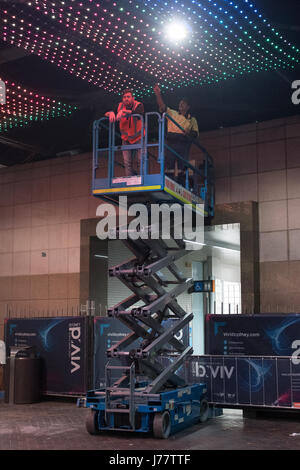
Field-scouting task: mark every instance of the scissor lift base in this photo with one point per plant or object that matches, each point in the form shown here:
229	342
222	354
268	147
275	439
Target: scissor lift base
163	413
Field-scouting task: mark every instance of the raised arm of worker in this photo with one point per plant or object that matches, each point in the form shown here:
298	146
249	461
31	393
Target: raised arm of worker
160	101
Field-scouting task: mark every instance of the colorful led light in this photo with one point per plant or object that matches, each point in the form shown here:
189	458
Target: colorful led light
25	106
122	43
2	93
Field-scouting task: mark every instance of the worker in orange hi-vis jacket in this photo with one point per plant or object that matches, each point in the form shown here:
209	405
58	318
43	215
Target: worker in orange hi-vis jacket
130	127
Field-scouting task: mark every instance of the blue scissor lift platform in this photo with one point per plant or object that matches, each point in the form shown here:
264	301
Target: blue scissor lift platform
144	391
150	182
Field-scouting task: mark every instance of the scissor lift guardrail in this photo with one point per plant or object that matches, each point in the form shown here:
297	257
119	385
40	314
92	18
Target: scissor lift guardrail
108	183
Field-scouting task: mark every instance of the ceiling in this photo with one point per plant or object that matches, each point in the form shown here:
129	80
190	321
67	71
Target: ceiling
65	63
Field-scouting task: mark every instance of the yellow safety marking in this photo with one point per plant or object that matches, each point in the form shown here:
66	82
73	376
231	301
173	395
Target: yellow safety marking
126	188
148	188
183	200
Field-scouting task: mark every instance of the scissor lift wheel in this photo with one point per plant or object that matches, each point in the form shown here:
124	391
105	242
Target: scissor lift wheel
91	422
204	411
162	425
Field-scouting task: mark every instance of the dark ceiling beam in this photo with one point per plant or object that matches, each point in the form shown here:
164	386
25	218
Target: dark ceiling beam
10	54
284	77
19	145
82	100
93	98
14	2
288	27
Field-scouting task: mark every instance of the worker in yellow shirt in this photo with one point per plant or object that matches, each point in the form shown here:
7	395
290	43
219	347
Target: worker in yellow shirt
179	138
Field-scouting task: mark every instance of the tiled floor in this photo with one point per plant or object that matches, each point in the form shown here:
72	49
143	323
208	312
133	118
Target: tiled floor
60	425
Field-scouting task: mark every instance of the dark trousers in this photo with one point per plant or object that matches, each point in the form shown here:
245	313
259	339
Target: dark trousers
181	145
129	156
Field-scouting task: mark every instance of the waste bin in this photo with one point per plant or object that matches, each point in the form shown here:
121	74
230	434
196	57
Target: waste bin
23	372
2	363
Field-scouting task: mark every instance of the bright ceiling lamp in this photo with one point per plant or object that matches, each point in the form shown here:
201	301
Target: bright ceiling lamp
176	31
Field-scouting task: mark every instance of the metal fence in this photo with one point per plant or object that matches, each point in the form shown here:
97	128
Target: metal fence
90	308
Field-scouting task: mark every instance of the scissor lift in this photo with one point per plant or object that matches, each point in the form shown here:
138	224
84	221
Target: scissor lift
144	392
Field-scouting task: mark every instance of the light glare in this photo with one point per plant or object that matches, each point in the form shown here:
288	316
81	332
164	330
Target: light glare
176	31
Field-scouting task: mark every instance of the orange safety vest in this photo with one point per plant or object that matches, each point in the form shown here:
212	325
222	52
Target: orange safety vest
130	127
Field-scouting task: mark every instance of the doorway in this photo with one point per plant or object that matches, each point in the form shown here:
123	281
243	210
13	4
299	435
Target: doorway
98	281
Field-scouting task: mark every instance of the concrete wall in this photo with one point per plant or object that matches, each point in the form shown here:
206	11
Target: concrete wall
41	205
261	162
